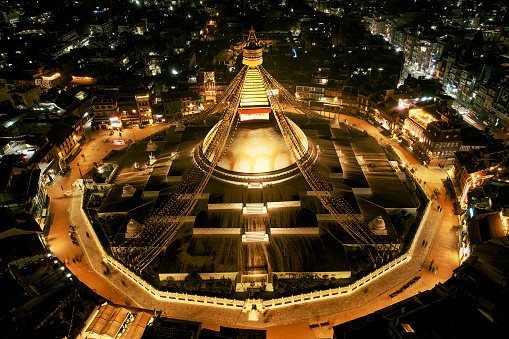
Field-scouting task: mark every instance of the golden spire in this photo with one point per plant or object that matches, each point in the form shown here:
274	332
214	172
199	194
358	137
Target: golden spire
251	38
252	53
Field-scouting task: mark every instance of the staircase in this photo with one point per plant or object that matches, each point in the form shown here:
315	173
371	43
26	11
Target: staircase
255	208
254	231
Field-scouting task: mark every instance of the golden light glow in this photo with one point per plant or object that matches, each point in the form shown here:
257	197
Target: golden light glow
257	150
53	77
421	117
74	77
254	116
403	103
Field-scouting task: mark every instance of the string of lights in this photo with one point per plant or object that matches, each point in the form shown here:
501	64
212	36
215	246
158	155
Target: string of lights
333	201
165	222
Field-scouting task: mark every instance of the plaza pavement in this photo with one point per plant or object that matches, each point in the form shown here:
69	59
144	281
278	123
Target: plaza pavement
367	299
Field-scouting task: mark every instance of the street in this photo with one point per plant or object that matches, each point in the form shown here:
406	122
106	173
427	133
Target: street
60	192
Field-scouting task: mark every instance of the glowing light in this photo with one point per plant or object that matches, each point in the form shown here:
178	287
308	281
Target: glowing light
403	103
53	77
421	116
254	116
78	78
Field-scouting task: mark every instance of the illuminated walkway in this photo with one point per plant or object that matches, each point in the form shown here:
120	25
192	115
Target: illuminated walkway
272	317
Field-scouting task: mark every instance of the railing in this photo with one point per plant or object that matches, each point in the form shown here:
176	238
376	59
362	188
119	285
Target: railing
335	292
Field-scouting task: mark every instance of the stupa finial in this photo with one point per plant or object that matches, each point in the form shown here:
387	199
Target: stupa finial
252	52
251	38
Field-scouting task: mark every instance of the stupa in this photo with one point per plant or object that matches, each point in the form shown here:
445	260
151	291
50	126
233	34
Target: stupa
257	151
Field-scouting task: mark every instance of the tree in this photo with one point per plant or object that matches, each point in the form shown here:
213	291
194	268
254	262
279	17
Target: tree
193	281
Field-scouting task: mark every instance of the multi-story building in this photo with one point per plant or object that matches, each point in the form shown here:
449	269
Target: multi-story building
310	92
484	97
388	113
425	55
72	102
500	107
103	27
127	108
65	137
445	66
144	108
461	77
468	164
104	109
468	80
417	121
378	25
408	47
441	140
11	17
390	34
180	104
433	131
213	85
210	30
